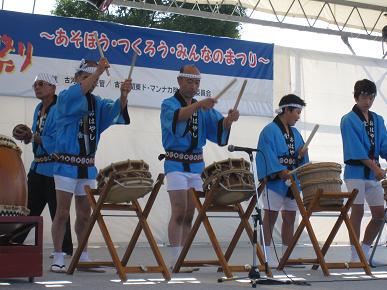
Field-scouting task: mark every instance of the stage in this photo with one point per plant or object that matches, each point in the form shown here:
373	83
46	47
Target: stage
206	278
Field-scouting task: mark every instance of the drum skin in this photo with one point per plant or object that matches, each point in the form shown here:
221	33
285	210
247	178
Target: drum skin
131	180
234	179
13	183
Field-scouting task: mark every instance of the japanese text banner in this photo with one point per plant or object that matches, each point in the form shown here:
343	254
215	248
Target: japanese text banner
56	44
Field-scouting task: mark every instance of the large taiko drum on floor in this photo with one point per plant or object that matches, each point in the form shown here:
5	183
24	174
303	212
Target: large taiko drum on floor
131	180
384	184
323	175
13	183
236	183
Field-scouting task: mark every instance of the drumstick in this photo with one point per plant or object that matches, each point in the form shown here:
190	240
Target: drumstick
240	94
225	89
100	50
309	139
134	58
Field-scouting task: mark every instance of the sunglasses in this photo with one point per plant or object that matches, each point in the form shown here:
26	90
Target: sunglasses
40	84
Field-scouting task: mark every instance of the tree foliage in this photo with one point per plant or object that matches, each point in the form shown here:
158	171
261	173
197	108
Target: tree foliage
146	18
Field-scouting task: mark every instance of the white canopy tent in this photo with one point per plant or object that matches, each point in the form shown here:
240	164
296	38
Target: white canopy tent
338	17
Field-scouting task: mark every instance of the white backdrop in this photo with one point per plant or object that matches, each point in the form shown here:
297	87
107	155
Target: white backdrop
324	80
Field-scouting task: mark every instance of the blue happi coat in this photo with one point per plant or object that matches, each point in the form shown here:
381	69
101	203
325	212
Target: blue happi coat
356	144
72	107
271	147
177	136
47	137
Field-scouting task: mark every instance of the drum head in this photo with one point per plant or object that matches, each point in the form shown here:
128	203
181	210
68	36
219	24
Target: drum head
227	164
224	197
8	142
129	189
123	169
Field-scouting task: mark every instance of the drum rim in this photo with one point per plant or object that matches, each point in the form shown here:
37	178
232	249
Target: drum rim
320	165
123	162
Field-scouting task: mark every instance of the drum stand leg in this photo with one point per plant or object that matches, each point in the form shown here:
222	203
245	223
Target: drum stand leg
377	242
254	275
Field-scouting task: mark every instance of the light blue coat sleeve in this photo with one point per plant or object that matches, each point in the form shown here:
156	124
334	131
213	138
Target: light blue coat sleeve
110	112
49	132
267	157
354	137
383	138
215	132
71	104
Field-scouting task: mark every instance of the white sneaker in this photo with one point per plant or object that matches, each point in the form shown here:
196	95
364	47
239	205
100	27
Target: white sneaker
377	263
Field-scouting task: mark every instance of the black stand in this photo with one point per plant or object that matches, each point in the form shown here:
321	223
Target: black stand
254	275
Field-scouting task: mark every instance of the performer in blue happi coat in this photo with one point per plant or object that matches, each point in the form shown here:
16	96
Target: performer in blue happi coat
364	140
279	151
186	124
41	186
81	118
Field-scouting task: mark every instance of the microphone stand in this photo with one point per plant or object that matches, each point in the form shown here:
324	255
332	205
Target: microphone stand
254	275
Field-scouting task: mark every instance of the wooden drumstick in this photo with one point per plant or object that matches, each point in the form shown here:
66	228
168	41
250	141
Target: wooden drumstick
309	138
134	58
100	50
225	89
240	94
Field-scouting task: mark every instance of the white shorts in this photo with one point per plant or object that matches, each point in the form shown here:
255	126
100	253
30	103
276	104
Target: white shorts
73	185
177	180
273	201
370	190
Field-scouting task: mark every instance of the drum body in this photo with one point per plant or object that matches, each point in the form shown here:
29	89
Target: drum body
13	183
236	183
131	180
323	175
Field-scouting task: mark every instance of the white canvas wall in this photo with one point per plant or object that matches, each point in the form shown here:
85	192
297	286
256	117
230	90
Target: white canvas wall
324	80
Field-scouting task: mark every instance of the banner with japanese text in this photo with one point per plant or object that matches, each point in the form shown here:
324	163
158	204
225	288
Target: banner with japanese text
37	43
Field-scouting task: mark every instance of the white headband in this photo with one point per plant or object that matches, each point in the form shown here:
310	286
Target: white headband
279	110
84	68
189	76
48	78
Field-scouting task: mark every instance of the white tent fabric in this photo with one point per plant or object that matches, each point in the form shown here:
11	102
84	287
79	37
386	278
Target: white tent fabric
336	11
324	80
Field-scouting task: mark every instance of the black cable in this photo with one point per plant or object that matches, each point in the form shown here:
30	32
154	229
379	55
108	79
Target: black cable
300	283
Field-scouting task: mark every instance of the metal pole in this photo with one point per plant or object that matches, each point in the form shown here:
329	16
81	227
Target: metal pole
33	7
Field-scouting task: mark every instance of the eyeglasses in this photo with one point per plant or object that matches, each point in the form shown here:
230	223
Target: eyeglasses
40	84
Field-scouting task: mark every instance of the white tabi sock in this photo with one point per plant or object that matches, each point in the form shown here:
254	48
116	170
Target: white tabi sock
366	250
84	257
58	258
175	255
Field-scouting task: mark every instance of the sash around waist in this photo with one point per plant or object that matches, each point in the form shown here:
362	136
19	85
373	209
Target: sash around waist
184	156
43	159
81	161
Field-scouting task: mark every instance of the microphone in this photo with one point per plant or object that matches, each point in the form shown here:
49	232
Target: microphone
233	148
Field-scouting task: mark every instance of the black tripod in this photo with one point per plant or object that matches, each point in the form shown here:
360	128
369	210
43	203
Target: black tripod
254	275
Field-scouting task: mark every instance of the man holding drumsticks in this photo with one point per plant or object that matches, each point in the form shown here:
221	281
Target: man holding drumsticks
364	139
41	186
81	118
280	150
186	125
